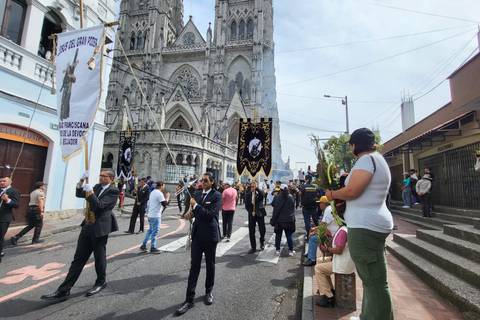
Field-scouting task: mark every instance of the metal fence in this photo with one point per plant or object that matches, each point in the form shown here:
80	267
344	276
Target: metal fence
455	184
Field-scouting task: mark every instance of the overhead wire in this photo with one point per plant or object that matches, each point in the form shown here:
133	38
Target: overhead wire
348	43
425	13
441	67
373	62
444	80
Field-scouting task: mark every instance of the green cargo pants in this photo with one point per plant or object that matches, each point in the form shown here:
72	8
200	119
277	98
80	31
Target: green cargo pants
367	249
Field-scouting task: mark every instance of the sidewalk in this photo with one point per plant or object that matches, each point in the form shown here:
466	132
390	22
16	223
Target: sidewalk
412	298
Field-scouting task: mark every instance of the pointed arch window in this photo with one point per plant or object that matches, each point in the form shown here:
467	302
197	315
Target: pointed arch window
246	90
250	29
132	41
241	30
140	41
231	89
233	31
180	124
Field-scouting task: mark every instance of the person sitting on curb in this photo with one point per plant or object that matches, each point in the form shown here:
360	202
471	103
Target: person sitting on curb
329	221
341	263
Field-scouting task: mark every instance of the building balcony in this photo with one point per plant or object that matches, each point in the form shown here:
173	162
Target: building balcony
18	60
177	138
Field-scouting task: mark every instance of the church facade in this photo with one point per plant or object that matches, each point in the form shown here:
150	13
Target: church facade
195	87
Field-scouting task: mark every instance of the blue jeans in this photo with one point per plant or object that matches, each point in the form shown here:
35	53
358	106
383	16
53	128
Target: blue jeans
312	248
152	232
307	215
407	197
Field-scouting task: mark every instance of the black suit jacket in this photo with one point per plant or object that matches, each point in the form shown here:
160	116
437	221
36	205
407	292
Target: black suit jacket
259	206
102	206
6	210
206	228
141	199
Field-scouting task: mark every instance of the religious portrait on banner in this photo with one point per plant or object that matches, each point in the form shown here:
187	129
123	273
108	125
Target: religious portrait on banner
255	147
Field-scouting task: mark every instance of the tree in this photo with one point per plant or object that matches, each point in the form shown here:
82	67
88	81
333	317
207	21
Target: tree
339	152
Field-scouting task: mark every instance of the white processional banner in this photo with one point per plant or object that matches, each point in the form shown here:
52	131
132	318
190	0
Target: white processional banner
79	83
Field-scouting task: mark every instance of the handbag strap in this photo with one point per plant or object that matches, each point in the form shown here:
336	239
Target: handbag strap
374	164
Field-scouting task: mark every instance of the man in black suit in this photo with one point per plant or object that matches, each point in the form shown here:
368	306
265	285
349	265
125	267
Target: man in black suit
256	215
96	226
141	198
205	207
9	198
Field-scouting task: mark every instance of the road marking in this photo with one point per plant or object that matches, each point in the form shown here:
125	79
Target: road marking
236	237
174	245
40	284
20	275
268	254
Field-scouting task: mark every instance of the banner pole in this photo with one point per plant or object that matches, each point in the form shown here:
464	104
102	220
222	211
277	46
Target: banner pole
81	14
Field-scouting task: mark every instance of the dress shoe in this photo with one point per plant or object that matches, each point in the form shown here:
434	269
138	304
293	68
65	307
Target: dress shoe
38	241
141	231
13	241
96	289
309	263
252	251
130	232
184	308
262	246
208	299
57	296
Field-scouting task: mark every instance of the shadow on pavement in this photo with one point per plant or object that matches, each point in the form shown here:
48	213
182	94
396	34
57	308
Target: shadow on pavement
19	307
148	314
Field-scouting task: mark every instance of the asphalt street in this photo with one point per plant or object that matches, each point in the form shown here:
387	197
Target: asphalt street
146	286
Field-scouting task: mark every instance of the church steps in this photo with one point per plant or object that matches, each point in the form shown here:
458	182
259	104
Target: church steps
458	291
439	209
450	216
421	224
432	221
464	232
455	264
466	249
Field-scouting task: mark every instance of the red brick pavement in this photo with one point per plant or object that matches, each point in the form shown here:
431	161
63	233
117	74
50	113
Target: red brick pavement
412	298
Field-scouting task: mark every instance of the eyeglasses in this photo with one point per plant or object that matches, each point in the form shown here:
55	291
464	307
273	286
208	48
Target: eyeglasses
205	181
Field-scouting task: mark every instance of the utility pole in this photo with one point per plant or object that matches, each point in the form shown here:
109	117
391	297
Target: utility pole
345	103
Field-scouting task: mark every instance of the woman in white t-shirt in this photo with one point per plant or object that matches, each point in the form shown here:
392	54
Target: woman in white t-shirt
369	223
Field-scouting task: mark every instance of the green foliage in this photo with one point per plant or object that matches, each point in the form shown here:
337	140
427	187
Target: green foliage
339	151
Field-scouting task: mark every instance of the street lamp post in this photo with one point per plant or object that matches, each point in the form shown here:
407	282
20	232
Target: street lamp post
345	103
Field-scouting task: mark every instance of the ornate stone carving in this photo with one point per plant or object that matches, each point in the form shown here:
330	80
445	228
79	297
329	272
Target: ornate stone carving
189	82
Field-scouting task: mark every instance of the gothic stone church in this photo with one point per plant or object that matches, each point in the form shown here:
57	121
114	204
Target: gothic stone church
198	87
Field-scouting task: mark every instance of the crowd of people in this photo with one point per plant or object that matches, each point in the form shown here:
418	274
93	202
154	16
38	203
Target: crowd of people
354	240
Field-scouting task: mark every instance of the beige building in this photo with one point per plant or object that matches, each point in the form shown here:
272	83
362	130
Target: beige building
445	142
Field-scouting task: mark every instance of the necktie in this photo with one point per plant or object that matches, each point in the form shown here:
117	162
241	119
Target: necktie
204	195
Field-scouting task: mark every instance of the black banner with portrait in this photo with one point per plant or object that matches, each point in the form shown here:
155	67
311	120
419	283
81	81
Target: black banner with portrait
255	147
125	155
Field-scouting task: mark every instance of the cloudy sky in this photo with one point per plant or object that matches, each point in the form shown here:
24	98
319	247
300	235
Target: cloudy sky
373	51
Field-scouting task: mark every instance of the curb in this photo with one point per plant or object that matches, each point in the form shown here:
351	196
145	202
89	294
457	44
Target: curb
307	301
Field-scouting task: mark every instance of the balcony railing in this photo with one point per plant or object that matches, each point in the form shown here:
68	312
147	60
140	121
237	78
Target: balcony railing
19	60
177	138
